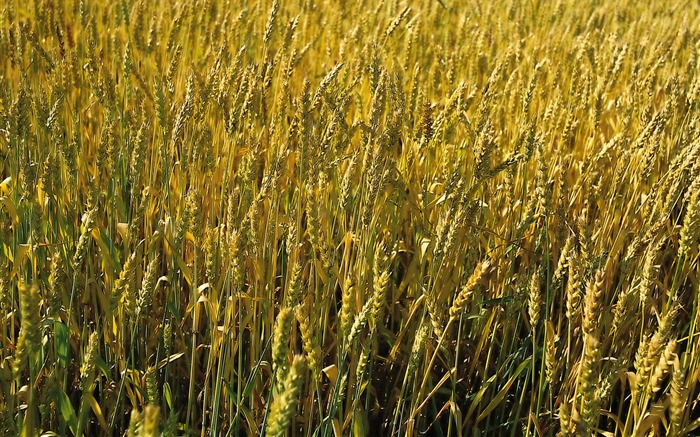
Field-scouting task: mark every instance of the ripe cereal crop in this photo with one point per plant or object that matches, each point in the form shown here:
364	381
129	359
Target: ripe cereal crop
324	218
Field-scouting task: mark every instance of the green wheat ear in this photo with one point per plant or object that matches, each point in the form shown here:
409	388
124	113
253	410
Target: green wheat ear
285	404
29	341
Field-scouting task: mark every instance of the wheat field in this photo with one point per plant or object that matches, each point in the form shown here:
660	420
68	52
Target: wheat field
320	218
